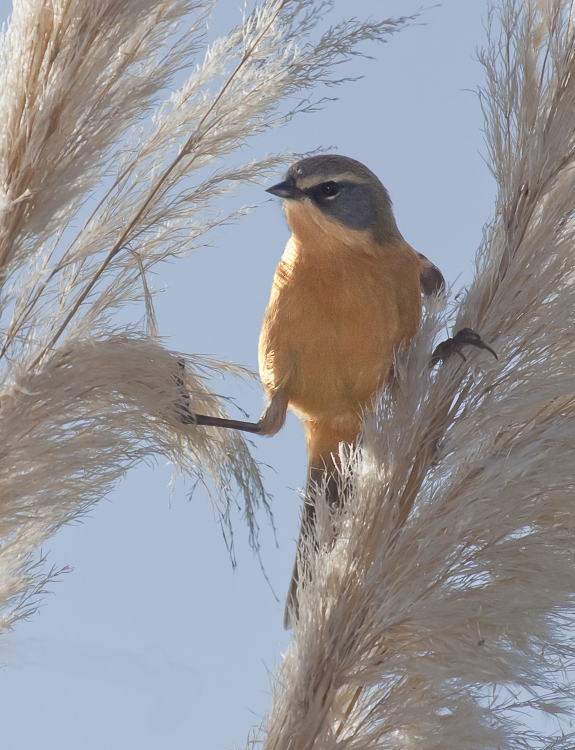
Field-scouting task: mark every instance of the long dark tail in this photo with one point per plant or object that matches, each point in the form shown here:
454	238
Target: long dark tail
307	530
323	438
306	533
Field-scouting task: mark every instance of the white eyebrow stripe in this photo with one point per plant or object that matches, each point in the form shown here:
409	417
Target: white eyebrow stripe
313	180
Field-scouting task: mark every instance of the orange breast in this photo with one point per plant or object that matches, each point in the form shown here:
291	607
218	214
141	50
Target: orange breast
336	316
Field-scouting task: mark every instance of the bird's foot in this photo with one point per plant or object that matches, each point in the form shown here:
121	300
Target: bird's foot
229	424
187	416
271	421
464	337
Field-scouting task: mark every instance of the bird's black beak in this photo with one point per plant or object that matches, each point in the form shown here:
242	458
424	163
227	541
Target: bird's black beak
285	189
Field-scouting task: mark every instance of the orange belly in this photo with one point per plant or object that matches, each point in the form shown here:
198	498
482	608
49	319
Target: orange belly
333	325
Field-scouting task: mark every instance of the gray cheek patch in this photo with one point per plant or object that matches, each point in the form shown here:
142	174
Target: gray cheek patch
355	207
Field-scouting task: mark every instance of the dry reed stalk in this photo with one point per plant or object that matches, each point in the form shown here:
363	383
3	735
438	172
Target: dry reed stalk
442	616
83	396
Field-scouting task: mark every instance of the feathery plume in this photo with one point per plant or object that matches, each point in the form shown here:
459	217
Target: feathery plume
101	179
441	613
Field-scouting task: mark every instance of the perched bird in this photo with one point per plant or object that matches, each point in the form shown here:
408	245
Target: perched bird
345	297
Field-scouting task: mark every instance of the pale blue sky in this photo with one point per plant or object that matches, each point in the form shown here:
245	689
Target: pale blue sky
153	641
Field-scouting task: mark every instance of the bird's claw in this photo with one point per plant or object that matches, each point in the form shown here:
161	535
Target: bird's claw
464	337
187	416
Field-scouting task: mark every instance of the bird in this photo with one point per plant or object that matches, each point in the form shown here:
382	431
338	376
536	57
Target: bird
345	298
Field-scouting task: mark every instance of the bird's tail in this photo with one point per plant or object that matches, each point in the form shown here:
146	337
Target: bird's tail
323	439
306	531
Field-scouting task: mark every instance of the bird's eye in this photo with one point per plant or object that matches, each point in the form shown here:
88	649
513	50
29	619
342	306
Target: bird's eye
328	189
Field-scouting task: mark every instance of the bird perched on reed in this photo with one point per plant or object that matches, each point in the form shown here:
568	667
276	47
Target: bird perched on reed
346	296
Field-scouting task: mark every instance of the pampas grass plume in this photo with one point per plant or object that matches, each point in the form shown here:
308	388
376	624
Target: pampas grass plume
120	125
441	613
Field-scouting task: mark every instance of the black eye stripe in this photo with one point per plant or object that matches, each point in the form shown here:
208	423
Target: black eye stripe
328	189
355	205
324	190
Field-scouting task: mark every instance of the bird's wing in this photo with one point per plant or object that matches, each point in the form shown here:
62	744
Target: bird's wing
430	277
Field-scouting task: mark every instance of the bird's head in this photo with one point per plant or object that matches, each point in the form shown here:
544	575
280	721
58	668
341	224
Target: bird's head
337	192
